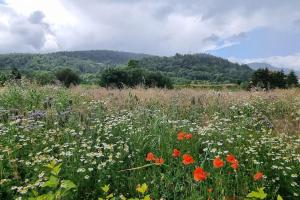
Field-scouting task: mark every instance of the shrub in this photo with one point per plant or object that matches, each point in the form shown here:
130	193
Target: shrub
132	75
67	77
3	79
44	78
156	79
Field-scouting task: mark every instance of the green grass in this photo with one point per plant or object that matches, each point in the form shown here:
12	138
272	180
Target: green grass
98	143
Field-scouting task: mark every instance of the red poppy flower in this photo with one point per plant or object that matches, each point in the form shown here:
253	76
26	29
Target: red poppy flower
159	161
188	136
187	159
180	135
230	158
150	157
218	162
258	176
199	174
176	153
235	164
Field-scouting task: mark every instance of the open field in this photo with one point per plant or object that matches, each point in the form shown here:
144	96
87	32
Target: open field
154	143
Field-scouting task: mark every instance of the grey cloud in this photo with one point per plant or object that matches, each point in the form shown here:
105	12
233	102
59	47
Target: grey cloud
166	27
211	38
157	27
30	34
23	33
36	17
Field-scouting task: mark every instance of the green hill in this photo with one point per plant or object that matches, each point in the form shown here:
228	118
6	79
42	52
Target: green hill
198	67
102	56
187	67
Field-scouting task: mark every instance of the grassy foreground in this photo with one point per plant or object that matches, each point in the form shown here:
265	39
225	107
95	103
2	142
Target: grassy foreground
93	143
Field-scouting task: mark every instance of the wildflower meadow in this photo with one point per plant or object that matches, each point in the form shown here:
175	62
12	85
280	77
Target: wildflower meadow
92	143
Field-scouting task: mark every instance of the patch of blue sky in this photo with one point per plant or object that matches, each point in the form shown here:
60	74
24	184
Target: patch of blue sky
263	42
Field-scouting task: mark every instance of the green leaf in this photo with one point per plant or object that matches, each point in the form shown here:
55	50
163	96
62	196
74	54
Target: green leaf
259	194
279	197
58	194
142	188
67	184
35	193
51	165
49	196
100	199
52	182
147	197
105	188
110	196
56	169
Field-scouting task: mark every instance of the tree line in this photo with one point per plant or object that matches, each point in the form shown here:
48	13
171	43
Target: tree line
118	77
65	75
133	75
266	79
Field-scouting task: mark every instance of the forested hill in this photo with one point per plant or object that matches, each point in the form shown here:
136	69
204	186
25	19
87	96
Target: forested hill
103	56
198	67
187	67
83	61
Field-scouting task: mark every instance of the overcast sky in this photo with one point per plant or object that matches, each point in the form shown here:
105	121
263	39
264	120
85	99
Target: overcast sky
243	31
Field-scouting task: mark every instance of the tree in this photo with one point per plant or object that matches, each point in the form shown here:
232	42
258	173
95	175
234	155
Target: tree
16	75
266	79
44	77
292	79
156	79
277	79
114	77
3	79
67	77
261	78
132	76
133	63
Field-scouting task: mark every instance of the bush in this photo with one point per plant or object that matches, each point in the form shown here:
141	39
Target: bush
132	76
67	77
15	74
3	79
156	79
44	78
113	78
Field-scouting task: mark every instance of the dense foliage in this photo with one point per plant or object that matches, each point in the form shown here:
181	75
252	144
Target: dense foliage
181	68
29	63
198	67
264	78
102	56
67	77
132	76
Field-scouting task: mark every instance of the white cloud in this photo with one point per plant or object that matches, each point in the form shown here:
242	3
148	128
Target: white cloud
289	61
156	27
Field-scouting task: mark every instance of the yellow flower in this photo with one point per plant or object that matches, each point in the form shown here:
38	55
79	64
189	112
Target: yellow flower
142	188
105	188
